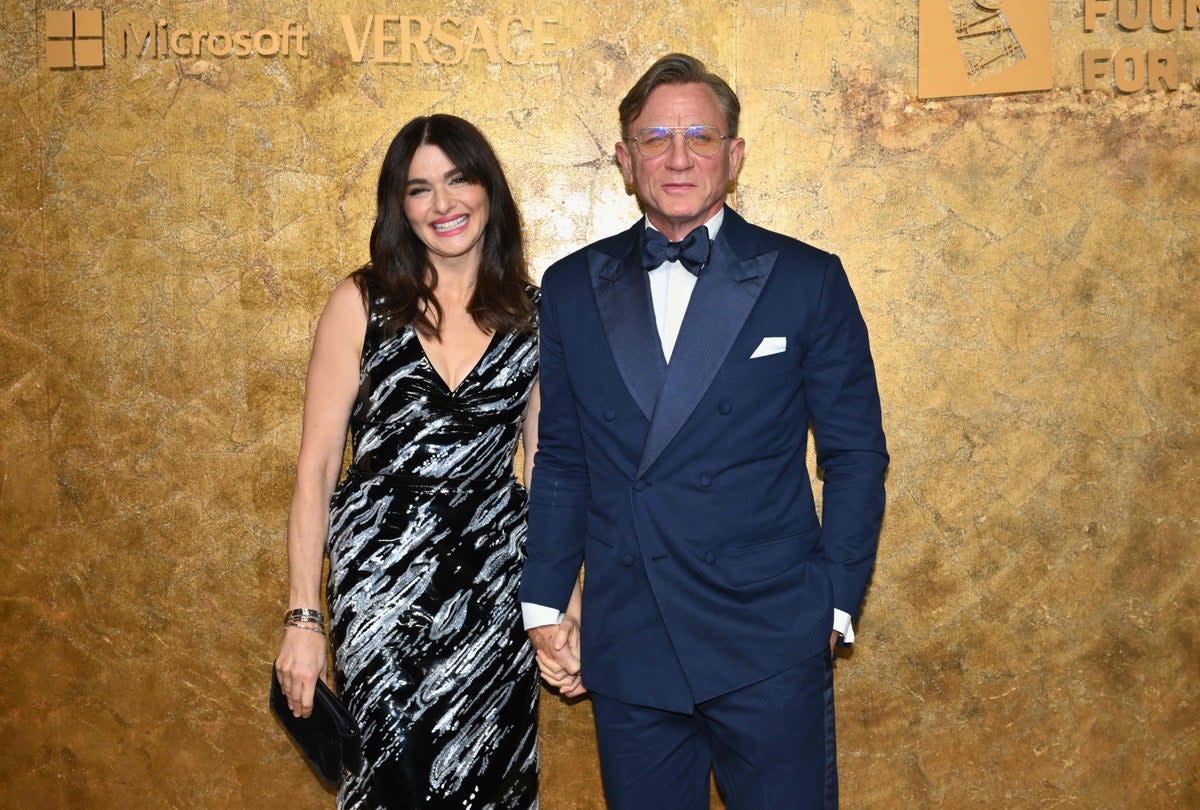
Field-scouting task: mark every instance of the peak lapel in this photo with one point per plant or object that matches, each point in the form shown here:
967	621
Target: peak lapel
725	292
623	297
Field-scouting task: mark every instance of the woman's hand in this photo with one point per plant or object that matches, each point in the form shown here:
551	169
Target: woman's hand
301	661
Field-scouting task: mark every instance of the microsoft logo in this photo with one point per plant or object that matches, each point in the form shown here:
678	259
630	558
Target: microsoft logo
75	39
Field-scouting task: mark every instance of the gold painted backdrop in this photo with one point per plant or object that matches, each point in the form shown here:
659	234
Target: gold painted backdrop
1027	265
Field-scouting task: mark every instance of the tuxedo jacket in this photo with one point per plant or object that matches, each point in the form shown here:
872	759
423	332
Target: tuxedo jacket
683	487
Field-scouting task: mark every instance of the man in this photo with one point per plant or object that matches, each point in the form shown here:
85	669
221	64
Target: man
678	382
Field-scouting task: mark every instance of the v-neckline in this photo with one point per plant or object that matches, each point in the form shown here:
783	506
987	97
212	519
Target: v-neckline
437	374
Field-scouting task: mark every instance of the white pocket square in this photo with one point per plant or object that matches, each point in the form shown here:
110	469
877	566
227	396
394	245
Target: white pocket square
770	345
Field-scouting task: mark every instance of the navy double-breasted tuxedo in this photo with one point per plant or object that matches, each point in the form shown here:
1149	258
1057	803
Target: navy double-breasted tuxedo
684	486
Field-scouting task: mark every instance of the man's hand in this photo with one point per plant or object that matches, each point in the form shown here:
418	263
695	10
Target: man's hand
557	649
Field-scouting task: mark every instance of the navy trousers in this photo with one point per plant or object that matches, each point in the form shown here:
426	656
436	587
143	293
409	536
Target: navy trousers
771	745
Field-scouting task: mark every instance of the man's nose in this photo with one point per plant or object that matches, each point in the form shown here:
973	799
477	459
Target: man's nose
679	156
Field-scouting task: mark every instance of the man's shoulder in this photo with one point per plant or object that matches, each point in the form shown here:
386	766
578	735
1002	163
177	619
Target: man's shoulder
758	239
615	246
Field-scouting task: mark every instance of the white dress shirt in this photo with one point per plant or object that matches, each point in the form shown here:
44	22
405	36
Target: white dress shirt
671	288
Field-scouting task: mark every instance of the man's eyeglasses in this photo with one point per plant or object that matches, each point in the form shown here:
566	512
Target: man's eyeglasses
656	141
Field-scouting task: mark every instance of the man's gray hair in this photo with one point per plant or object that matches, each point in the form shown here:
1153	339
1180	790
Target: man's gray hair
679	68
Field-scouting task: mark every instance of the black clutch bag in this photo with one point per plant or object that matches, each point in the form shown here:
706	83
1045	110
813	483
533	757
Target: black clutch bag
328	738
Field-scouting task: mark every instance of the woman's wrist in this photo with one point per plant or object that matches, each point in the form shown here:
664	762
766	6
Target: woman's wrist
305	619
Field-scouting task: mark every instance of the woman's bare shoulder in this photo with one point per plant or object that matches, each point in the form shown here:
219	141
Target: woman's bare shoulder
346	300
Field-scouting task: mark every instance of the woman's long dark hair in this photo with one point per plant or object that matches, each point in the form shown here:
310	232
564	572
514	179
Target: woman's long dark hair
400	272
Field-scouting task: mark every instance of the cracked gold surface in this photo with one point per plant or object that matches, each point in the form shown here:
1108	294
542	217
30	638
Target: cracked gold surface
1027	265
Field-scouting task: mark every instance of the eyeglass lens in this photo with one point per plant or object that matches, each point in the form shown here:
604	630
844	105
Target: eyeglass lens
655	141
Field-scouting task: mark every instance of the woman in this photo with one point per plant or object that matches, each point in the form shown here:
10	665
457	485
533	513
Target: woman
429	354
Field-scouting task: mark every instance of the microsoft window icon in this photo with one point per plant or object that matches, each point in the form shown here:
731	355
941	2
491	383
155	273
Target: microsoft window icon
75	39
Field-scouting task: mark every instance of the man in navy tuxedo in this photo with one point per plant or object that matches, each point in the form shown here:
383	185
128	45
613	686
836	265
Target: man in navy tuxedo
682	364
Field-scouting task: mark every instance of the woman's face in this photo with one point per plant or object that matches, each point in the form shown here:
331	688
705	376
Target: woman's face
446	211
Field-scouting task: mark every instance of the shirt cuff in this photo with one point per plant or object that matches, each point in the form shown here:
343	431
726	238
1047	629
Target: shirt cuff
841	623
539	615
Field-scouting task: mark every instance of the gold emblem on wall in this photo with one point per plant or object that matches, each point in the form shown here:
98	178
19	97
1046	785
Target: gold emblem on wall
983	47
75	39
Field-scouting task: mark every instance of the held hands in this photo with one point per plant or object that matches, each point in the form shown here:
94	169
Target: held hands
558	655
301	661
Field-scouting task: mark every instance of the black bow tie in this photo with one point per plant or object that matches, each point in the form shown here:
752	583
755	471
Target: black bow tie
692	252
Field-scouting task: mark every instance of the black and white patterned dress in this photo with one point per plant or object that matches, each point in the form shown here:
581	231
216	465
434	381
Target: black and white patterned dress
426	539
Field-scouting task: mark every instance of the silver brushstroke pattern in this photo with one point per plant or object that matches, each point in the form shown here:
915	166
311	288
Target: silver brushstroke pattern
426	537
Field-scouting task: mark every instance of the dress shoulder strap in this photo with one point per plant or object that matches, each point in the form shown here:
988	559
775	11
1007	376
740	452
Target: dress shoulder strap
534	294
376	327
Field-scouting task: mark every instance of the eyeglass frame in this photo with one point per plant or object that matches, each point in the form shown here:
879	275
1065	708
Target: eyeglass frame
682	130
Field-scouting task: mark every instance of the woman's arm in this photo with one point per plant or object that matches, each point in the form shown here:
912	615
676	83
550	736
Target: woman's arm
529	434
329	392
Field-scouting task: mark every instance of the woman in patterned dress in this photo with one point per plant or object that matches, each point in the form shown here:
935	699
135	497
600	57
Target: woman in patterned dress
429	355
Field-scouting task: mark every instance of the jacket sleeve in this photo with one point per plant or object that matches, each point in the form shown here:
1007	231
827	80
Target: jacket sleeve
843	400
559	492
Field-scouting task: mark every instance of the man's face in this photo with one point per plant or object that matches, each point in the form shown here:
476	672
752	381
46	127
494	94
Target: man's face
680	190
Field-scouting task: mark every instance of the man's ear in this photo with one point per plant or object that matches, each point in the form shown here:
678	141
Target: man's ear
737	150
625	161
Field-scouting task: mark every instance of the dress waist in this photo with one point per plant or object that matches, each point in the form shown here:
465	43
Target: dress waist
415	482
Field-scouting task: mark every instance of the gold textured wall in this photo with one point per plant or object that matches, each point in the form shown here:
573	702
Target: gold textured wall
1027	265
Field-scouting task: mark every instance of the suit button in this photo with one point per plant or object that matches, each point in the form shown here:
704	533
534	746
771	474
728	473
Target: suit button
627	559
724	407
705	481
640	486
610	415
710	558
